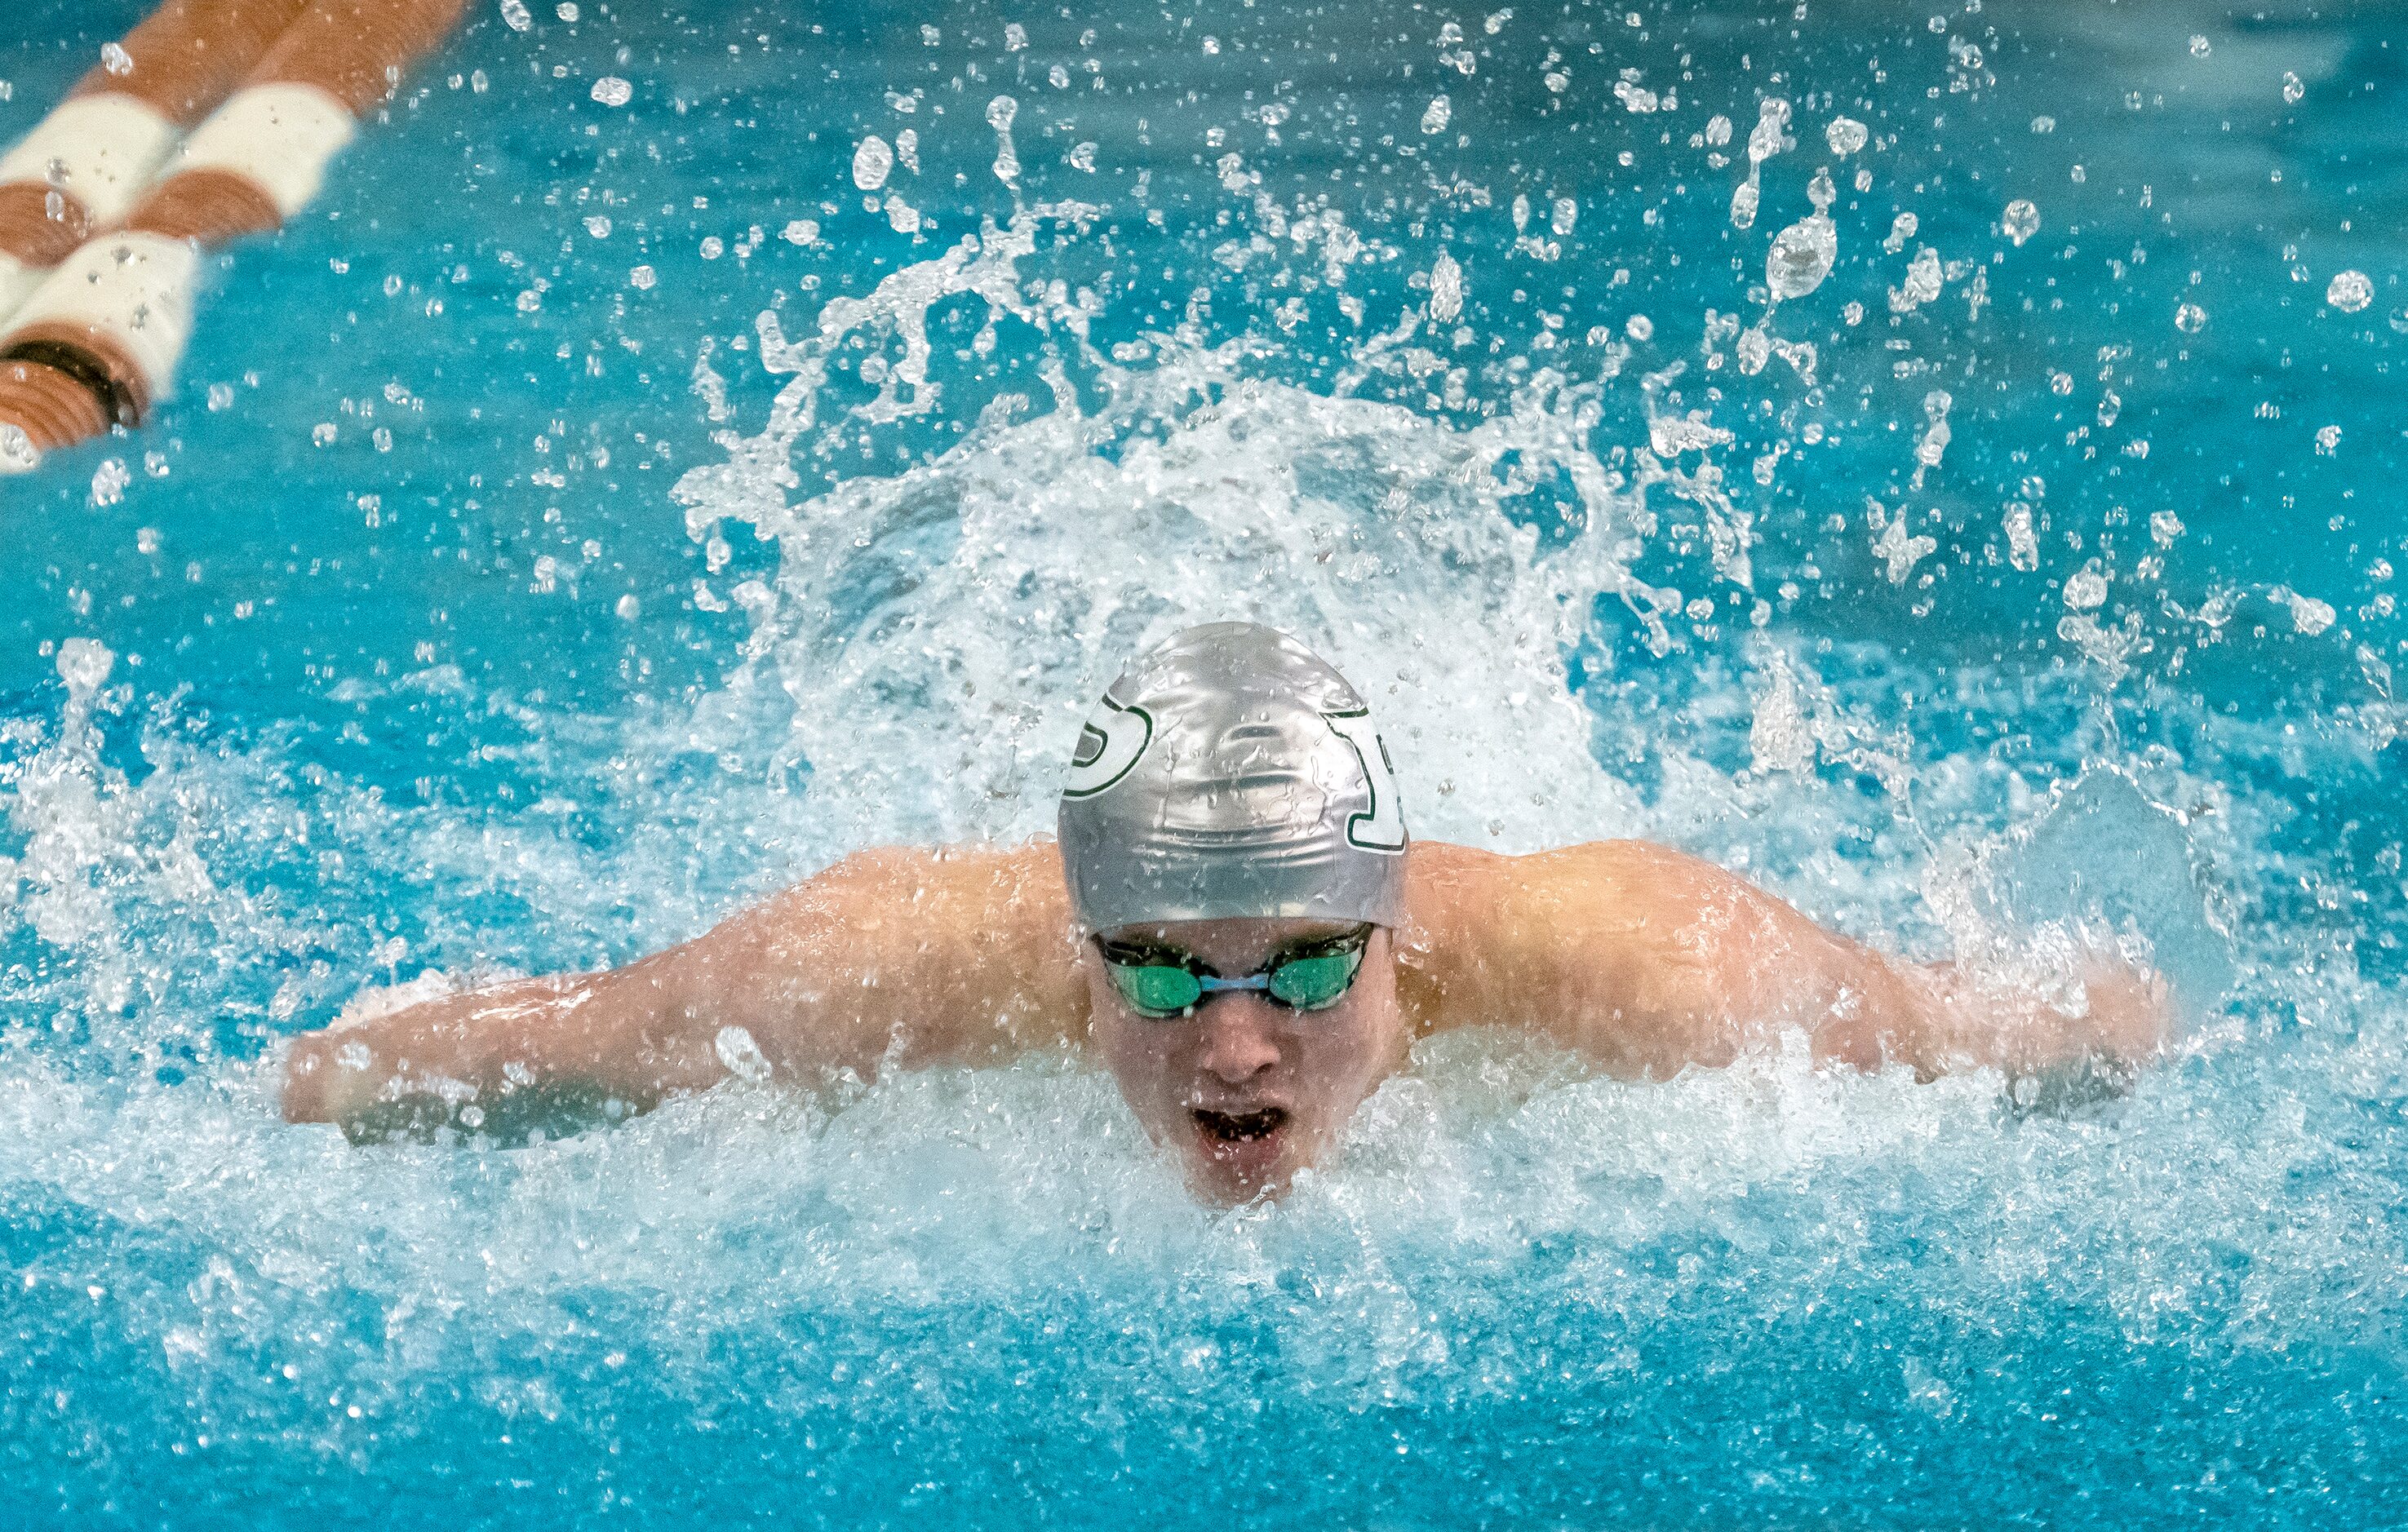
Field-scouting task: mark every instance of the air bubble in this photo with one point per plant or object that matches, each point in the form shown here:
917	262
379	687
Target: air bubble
2349	292
613	91
1845	135
1435	116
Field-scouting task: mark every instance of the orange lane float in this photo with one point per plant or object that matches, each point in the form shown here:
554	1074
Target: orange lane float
83	167
99	340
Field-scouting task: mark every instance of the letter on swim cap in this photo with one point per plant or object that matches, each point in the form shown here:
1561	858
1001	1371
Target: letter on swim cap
1232	772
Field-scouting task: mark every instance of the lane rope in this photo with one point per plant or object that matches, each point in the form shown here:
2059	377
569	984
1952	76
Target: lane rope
98	342
83	167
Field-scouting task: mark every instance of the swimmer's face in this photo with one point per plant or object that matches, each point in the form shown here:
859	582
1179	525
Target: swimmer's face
1243	1091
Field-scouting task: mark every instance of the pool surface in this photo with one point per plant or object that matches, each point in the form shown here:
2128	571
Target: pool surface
589	516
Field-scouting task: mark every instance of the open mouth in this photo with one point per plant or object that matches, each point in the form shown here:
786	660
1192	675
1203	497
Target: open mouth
1239	1128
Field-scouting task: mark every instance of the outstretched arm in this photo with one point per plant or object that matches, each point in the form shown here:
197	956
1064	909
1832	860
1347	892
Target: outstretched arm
1648	961
914	956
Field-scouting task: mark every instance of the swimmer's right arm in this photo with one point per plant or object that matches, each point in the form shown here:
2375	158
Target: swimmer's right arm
905	955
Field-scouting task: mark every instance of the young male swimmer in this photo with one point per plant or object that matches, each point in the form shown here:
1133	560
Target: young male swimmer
1235	922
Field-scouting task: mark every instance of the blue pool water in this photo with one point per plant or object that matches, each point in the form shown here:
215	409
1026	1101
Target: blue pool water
481	605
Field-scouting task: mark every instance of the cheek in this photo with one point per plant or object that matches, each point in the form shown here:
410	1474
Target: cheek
1353	1057
1137	1053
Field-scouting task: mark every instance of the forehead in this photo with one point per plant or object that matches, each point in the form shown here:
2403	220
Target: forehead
1222	943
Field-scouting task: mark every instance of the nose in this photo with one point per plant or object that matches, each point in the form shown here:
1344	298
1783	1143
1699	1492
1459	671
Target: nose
1237	1042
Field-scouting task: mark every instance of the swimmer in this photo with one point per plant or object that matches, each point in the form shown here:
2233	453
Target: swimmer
1234	921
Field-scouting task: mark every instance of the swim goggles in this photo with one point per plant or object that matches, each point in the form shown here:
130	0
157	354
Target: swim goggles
1163	982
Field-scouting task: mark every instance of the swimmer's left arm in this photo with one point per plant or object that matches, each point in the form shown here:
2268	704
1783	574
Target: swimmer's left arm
1649	960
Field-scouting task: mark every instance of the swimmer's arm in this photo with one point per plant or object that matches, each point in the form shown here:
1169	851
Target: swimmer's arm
903	955
1649	961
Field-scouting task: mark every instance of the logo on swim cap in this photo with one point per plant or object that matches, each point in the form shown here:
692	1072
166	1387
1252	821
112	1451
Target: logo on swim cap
1232	773
1381	828
1110	743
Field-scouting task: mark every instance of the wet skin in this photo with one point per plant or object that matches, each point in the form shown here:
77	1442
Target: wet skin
1640	960
1242	1092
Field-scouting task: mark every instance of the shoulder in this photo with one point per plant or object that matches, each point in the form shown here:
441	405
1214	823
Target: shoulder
1445	879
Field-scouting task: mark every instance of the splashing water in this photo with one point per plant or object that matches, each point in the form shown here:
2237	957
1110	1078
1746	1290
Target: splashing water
1579	579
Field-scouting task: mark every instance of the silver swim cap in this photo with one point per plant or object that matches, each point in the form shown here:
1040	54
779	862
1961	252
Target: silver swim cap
1232	772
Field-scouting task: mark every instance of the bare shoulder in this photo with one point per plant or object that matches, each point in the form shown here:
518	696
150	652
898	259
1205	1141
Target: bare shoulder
1608	939
949	952
1448	885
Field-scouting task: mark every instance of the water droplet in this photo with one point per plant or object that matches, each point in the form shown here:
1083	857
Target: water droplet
2190	319
741	1055
2021	220
1925	276
108	483
1802	257
2349	292
613	92
1771	135
999	113
1845	135
1446	288
1742	206
1435	117
871	163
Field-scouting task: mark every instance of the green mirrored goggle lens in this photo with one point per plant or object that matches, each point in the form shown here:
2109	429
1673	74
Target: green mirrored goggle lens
1309	984
1158	989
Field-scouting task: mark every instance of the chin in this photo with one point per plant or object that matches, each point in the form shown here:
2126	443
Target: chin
1234	1158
